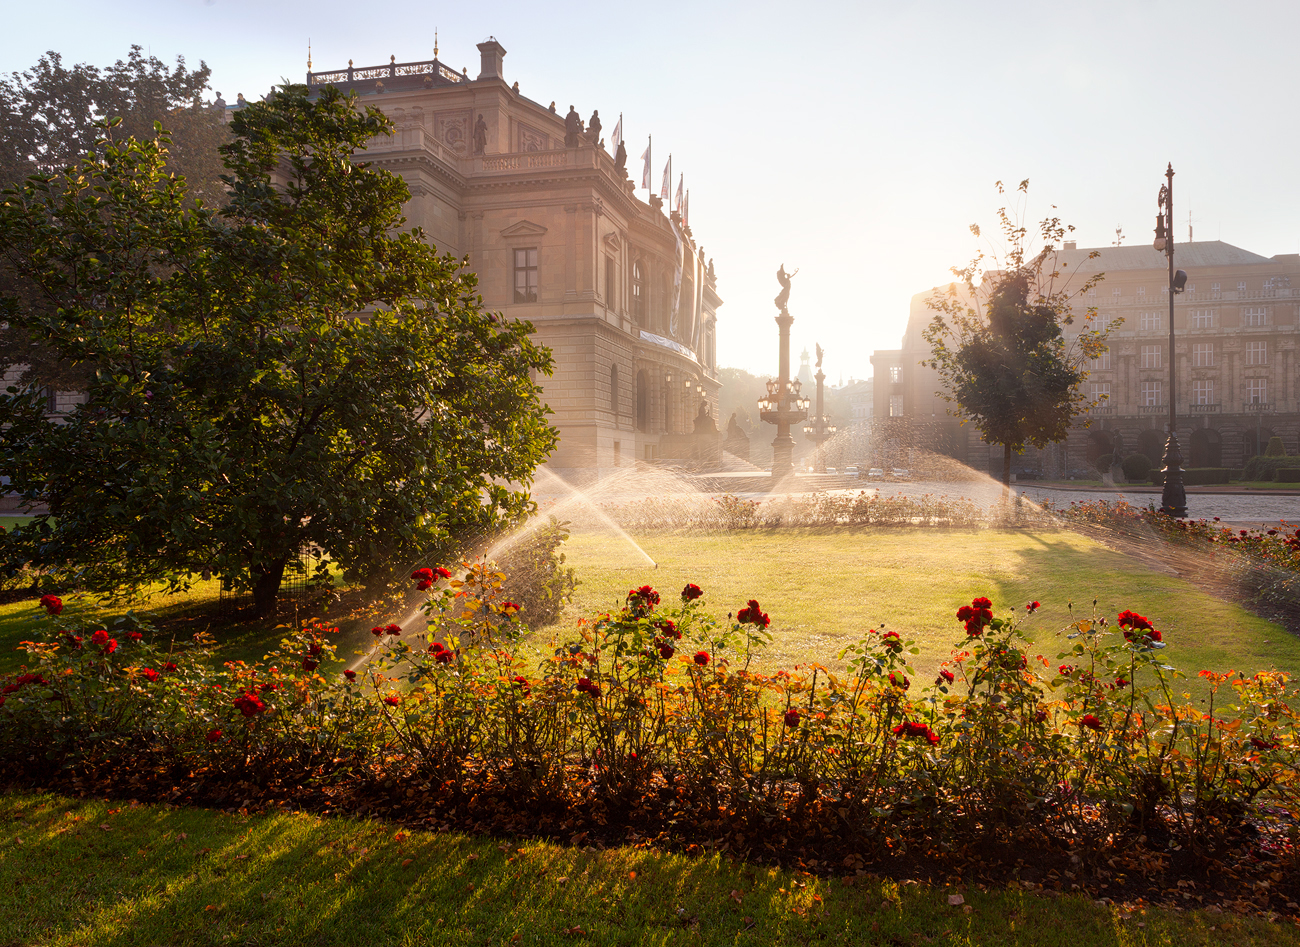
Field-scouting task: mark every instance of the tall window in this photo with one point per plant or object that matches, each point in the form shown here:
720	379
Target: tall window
1203	392
1102	362
895	373
526	275
895	406
1214	291
1256	390
1253	316
1149	321
1241	286
1201	318
1256	353
1099	391
1141	294
1202	354
1150	356
638	293
1151	394
1115	294
611	284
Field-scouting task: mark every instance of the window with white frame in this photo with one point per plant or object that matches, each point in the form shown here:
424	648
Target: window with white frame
1256	353
1190	288
895	373
1151	394
1256	391
1241	286
895	406
1092	292
1102	362
1141	293
1214	291
1150	356
1203	392
1202	354
1099	391
1254	316
1149	321
1201	318
526	275
1103	321
1115	294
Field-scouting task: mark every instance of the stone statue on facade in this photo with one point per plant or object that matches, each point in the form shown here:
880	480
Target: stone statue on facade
593	127
620	160
783	278
572	128
737	441
480	136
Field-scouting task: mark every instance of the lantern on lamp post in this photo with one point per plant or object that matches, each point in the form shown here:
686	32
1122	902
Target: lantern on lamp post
1173	499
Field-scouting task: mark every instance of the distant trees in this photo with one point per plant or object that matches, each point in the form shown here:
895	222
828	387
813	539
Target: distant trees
48	122
999	348
291	370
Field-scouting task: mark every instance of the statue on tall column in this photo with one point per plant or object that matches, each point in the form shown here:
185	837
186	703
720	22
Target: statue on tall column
820	354
783	278
572	128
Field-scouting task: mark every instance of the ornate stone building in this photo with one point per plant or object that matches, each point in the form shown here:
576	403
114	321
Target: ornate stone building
617	288
1236	327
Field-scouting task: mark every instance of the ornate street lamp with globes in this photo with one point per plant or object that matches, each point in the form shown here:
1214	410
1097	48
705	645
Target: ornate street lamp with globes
1173	500
783	405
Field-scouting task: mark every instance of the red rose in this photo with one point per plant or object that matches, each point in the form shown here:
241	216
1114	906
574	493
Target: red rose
392	629
1263	745
249	704
149	674
946	676
668	628
423	575
588	687
666	650
641	601
109	646
169	666
309	665
521	683
214	736
314	648
442	573
52	604
134	635
792	718
1032	607
1065	670
100	637
424	585
913	728
701	658
445	656
392	700
510	609
350	674
901	681
1090	721
691	592
891	641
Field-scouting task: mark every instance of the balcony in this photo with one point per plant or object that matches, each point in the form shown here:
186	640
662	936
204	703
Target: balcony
1205	409
1153	409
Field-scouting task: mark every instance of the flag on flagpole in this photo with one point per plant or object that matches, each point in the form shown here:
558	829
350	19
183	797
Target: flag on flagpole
645	171
665	189
680	182
686	209
617	135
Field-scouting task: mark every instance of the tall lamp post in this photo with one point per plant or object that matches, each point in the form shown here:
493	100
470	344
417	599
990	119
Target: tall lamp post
1173	500
783	404
819	427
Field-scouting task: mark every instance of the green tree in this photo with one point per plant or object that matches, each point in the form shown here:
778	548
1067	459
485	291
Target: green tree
291	370
998	344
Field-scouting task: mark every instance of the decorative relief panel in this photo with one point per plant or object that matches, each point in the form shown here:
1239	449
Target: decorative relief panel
453	130
530	139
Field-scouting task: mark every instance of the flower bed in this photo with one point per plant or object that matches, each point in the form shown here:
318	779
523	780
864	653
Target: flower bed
651	719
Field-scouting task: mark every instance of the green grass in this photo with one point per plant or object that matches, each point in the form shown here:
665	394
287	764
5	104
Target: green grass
824	589
85	872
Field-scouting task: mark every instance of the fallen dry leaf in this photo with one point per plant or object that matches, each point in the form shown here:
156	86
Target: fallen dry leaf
736	895
956	899
406	863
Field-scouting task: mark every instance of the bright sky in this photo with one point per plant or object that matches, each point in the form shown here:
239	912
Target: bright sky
855	141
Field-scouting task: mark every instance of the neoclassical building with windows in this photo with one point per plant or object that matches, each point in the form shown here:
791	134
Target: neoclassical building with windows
616	287
1236	328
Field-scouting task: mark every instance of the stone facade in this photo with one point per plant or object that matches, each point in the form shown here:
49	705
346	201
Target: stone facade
1236	327
617	289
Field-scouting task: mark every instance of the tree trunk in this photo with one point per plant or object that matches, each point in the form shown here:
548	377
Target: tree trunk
1006	468
267	587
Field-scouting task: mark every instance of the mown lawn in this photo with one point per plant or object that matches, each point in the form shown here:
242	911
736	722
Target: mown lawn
824	589
83	872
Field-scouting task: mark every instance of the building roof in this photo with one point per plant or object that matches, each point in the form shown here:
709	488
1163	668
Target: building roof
1138	257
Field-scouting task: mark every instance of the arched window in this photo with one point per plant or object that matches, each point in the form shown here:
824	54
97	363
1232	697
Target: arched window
638	293
642	402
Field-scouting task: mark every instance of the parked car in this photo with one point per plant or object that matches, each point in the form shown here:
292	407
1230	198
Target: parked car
852	471
876	473
901	473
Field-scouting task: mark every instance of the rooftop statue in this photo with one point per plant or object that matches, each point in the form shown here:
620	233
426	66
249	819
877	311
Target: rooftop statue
480	136
593	127
620	160
572	128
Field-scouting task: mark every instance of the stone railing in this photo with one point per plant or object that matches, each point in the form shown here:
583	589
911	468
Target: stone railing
1153	409
1205	409
390	71
528	160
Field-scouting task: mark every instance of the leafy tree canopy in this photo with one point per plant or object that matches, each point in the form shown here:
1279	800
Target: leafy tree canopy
291	370
997	342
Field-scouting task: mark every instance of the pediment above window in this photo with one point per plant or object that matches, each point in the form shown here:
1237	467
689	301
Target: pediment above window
524	228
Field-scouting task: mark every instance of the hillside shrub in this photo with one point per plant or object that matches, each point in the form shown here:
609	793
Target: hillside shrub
1275	447
1265	468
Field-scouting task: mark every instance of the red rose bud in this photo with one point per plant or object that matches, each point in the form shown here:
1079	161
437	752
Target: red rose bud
392	700
350	674
214	736
1090	721
377	631
947	676
691	592
392	629
792	718
442	573
149	674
